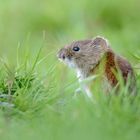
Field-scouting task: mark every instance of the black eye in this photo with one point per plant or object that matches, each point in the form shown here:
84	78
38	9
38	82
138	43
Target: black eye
76	48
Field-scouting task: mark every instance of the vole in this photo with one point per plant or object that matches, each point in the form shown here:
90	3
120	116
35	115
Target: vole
86	56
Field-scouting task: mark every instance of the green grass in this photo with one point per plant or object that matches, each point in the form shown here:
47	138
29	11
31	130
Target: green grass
37	91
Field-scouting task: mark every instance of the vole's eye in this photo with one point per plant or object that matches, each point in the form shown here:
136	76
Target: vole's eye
76	48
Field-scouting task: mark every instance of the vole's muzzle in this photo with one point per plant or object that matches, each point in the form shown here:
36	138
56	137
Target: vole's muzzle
63	54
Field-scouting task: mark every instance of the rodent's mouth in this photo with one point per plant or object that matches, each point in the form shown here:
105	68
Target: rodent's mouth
68	61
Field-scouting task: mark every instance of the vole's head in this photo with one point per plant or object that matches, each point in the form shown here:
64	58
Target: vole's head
84	53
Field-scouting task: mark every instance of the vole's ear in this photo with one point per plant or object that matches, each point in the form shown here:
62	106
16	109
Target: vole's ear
100	41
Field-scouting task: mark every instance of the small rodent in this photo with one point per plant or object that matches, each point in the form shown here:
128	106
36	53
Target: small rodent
86	56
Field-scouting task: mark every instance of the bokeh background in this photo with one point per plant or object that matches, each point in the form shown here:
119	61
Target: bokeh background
26	26
64	21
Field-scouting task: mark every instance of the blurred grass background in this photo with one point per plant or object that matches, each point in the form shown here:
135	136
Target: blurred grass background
47	110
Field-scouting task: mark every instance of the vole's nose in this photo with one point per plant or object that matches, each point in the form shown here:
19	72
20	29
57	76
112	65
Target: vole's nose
61	54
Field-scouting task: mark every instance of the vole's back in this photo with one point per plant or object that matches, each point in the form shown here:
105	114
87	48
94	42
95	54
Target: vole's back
116	65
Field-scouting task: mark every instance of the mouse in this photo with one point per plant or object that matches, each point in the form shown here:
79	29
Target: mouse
90	56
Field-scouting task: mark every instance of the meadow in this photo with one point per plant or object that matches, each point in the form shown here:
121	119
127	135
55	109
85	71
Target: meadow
37	91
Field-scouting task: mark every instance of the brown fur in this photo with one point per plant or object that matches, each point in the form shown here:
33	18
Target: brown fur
110	68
